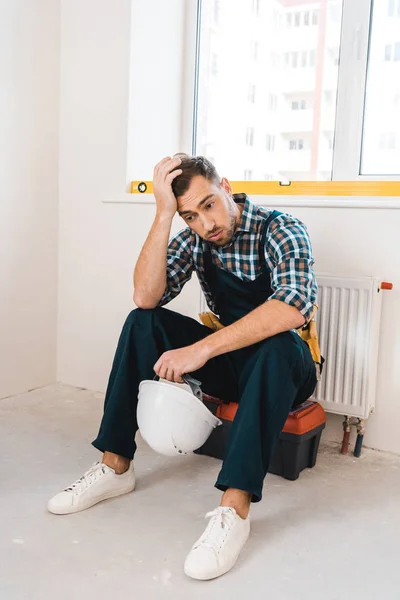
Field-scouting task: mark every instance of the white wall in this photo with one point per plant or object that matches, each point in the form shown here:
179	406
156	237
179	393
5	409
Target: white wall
99	242
29	103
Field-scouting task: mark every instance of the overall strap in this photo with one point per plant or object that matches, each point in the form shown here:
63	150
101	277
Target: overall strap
264	229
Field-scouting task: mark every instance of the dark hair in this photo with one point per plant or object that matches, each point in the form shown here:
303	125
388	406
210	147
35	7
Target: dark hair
192	166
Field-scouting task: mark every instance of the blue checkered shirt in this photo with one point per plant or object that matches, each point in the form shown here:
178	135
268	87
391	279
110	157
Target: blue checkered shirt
287	253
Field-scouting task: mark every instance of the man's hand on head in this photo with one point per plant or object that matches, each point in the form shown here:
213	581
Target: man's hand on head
175	363
164	174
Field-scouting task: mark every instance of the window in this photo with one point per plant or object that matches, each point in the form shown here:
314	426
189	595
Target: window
380	152
333	54
220	108
272	102
298	105
335	13
356	121
248	175
388	141
256	7
251	95
329	138
296	144
325	175
303	59
270	145
250	136
217	6
393	8
277	19
328	97
254	50
392	52
275	59
214	64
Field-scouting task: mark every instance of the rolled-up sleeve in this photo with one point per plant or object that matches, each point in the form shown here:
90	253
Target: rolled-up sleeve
179	265
293	280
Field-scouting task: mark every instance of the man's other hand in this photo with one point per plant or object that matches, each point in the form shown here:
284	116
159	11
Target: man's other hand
175	363
164	174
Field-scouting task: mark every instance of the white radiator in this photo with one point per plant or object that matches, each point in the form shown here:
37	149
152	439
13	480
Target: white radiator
348	322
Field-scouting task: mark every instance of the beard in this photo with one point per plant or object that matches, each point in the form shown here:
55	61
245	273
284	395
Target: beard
228	232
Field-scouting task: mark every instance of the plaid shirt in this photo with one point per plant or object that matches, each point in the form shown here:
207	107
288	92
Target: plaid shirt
287	252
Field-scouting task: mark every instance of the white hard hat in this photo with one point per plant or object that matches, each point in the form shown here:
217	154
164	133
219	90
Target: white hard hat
172	418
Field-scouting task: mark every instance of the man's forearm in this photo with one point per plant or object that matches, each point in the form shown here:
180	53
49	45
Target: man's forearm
150	271
267	320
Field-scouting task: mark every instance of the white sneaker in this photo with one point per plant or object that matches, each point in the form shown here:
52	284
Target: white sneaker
98	483
217	550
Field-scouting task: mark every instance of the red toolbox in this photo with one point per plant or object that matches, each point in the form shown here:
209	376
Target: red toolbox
296	448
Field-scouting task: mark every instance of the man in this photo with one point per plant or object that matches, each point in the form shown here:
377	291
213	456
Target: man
256	270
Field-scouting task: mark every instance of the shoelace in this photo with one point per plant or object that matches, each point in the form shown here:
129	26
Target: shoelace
96	471
222	519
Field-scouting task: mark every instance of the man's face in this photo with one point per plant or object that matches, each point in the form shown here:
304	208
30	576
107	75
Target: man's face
208	209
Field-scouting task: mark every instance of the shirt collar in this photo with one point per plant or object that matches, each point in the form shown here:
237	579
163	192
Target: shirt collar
249	217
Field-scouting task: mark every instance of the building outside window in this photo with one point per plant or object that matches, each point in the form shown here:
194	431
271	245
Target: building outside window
256	7
250	136
298	105
287	100
270	145
393	8
251	96
272	103
296	144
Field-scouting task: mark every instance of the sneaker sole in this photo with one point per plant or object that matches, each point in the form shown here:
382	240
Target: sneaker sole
80	507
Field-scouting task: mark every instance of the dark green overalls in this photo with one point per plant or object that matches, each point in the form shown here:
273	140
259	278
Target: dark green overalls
267	378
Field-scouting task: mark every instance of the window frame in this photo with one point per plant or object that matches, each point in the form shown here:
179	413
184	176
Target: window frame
270	142
351	90
250	136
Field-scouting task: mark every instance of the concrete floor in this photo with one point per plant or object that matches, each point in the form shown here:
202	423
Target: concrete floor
333	535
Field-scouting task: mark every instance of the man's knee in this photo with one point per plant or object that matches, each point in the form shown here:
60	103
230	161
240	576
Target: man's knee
143	315
281	341
285	345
